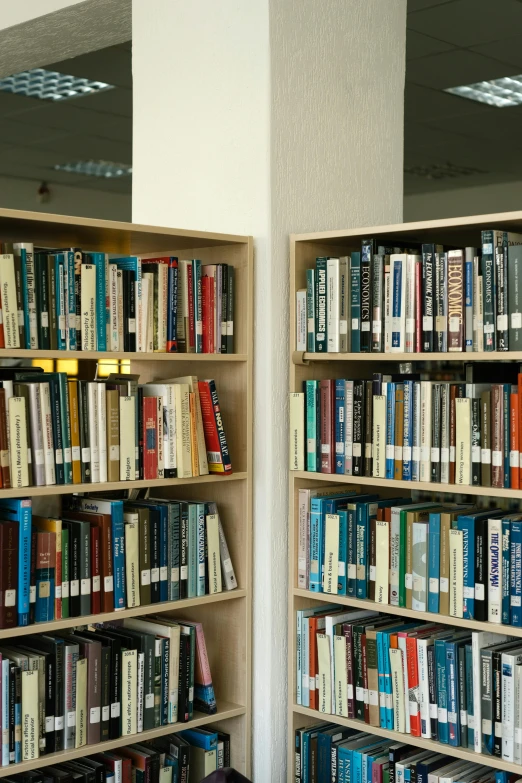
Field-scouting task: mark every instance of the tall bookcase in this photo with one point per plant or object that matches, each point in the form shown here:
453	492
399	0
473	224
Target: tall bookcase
226	616
305	248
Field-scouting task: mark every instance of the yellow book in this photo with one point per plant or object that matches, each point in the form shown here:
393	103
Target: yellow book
129	660
192	382
297	442
74	414
132	564
325	674
127	440
30	717
18	446
82	718
382	561
183	439
397	682
113	435
331	554
193	434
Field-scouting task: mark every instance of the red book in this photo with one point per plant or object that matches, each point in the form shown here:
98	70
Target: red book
8	574
514	445
327	391
150	438
218	455
190	299
418	307
313	662
207	295
413	686
95	569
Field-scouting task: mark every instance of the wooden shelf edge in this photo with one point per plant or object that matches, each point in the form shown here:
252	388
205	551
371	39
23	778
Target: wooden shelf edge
425	486
70	489
430	617
436	747
225	710
135	611
23	353
463	356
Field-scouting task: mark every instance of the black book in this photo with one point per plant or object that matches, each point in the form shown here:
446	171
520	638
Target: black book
441	302
53	310
30	776
179	748
155	543
113	642
358	427
463	702
54	647
225	739
12	700
83	421
183	550
98	767
42	299
164	707
396	753
184	678
428	297
105	693
497	702
481	569
224	303
141	444
475	442
435	432
502	319
432	687
368	428
230	309
76	767
129	310
155	760
367	251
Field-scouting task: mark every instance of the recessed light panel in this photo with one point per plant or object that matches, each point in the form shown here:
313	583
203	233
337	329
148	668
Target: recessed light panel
50	85
497	92
96	168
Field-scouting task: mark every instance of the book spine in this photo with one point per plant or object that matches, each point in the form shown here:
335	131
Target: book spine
468	292
428	299
497	435
358	428
489	240
455	300
321	334
494	571
310	310
478	323
409	343
390	430
436	432
475	442
366	295
502	320
418	305
398	273
355	281
514	271
408	432
516	575
339	426
368	428
441	304
172	341
506	560
332	306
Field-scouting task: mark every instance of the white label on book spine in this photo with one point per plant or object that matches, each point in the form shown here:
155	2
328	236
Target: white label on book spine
444	454
406	453
184	572
32	594
58	591
502	322
71	719
357	450
398	453
471	721
452	717
96	584
45	319
485	456
427	323
444	584
516	320
390	451
108	584
355	324
86	586
164	572
452	453
49	723
359	693
352	571
376	327
58	723
498	729
373	698
341	568
325	448
487	726
75	587
408	578
106	712
58	458
435	454
154	575
516	600
415	453
365	326
10	598
115	709
76	453
468	592
67	455
145	576
489	329
149	700
86	454
174	575
479	591
433	710
434	584
497	459
65	589
306	681
475	453
514	461
95	715
39	456
454	323
114	453
373	573
442	714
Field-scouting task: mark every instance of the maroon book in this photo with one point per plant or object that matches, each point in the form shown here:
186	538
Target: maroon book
497	435
8	574
327	401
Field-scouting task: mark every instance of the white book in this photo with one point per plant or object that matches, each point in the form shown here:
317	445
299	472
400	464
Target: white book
425	431
102	430
35	416
30	715
183	439
325	674
348	427
18	442
213	555
163	272
47	433
462	440
300	320
344	304
127	438
480	314
82	718
341	676
382	561
510	662
398	302
379	436
192	382
92	407
129	712
480	639
9	301
456	574
115	315
517	745
88	307
411	262
297	448
132	561
416	447
387	309
31	290
424	688
495	570
444	432
331	554
332	304
119	279
397	682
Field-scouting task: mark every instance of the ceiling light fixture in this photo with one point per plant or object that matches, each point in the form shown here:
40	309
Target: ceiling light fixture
497	92
50	85
96	168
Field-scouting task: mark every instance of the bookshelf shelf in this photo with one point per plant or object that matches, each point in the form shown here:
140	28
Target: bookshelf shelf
304	249
226	711
226	616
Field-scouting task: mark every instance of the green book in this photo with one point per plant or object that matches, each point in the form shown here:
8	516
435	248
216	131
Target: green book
65	573
192	550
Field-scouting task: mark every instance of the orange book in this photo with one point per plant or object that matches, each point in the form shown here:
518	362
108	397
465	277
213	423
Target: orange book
413	686
520	420
50	525
514	445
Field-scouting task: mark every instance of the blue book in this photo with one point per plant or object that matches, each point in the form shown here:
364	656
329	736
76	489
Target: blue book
343	552
381	679
25	297
5	711
200	738
408	431
467	525
98	260
339	426
317	512
362	543
415	449
331	505
344	764
453	693
468	290
355	278
442	691
192	550
390	430
351	555
70	256
20	510
434	562
172	305
397	303
312	432
60	273
469	695
506	577
516	573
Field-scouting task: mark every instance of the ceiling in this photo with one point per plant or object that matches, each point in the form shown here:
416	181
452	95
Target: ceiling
451	43
35	134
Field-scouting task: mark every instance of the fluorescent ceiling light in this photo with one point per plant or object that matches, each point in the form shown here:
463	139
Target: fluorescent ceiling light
497	92
50	85
96	168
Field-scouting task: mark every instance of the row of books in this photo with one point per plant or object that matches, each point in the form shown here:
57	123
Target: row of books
184	757
459	688
71	300
82	687
452	560
54	430
417	299
397	427
325	752
105	555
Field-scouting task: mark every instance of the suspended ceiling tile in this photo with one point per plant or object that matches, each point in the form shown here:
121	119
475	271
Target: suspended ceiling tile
420	5
507	50
468	22
114	66
423	103
118	101
457	67
80	147
420	45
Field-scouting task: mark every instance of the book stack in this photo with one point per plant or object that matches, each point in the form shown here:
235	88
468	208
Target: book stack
104	555
411	429
54	430
81	687
388	298
72	300
325	752
453	560
425	680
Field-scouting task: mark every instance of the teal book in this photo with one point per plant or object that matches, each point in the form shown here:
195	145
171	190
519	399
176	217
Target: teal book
192	549
312	450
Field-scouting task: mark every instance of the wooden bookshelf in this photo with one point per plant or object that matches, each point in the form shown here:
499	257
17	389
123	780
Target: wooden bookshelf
304	249
227	616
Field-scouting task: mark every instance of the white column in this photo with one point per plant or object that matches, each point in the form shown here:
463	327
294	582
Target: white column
268	117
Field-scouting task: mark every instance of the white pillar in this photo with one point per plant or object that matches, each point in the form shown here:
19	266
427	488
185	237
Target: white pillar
268	117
